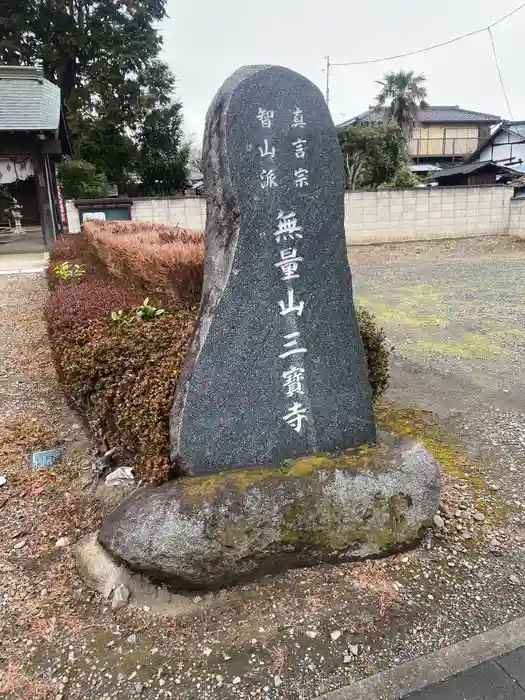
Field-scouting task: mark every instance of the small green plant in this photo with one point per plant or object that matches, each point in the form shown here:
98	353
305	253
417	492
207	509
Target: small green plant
144	312
148	312
377	350
67	271
123	317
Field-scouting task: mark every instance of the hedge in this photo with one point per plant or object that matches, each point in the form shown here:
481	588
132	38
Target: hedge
121	376
123	379
154	256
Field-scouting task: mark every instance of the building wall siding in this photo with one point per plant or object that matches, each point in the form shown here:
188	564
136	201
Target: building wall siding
504	146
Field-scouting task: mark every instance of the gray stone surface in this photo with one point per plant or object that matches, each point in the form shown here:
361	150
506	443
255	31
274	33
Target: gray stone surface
204	532
485	682
514	664
274	183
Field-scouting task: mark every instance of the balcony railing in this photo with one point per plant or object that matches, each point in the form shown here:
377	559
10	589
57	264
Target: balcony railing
442	147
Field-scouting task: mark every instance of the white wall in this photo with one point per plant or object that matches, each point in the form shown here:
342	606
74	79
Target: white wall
73	219
376	216
505	145
426	213
187	212
517	218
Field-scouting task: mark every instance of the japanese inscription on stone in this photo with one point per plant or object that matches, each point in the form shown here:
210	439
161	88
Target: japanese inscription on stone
289	232
276	368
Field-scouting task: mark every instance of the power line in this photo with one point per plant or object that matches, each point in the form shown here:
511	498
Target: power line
434	46
499	73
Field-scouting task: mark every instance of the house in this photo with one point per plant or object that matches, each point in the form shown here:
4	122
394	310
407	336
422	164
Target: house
443	134
480	173
195	182
33	137
506	145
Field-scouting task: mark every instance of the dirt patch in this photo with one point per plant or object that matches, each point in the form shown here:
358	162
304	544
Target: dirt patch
289	636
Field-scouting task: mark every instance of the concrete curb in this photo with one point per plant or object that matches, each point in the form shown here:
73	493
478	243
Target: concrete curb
435	667
22	271
105	575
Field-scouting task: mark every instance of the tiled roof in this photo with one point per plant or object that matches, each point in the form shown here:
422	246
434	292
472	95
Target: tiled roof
466	168
28	102
433	114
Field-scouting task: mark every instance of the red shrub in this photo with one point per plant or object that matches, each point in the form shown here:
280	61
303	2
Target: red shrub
73	304
68	248
123	379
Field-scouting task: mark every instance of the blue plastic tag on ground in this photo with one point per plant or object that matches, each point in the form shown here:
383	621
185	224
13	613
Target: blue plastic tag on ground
45	458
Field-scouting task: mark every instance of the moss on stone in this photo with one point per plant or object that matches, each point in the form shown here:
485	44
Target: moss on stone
364	458
420	426
207	486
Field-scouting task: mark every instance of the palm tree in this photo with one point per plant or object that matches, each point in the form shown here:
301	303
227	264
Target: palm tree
406	93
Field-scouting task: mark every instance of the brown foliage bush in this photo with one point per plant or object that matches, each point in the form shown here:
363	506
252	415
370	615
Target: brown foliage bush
73	304
68	248
159	258
122	378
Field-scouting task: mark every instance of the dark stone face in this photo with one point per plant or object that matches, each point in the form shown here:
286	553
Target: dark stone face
276	368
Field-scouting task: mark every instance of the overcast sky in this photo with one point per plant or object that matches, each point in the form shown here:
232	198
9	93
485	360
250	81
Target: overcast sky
206	40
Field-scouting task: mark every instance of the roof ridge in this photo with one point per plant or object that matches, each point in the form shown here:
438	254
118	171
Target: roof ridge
475	111
22	73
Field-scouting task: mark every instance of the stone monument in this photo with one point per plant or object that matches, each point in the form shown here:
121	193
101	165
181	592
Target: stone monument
272	421
276	368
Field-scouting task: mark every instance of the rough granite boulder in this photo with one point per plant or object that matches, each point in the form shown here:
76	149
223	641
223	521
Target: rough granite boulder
211	531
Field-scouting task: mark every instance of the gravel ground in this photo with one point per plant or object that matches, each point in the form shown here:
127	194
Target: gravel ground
453	312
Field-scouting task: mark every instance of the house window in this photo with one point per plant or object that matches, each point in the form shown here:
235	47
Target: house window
461	140
427	141
413	147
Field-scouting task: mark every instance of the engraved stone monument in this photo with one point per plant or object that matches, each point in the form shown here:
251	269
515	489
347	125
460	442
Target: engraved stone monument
272	420
276	368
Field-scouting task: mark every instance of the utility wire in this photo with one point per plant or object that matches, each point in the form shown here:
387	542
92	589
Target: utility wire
499	73
435	46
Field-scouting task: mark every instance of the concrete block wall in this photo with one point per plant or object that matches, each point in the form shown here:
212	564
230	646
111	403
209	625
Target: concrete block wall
73	218
375	216
187	212
422	214
517	218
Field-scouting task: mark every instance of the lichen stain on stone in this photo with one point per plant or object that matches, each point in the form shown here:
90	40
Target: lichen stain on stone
364	458
304	526
234	532
420	426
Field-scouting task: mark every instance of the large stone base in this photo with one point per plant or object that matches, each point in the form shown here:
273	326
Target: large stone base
206	532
